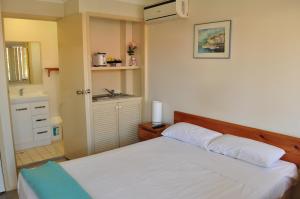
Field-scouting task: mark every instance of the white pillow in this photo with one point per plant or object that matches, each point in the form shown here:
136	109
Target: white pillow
191	134
248	150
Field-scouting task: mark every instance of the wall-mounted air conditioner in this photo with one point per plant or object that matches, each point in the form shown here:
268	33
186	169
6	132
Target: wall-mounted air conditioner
166	10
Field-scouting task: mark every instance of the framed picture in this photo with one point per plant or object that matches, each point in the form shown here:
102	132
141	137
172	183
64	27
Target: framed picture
212	40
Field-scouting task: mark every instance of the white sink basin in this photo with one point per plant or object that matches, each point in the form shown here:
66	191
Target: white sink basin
28	97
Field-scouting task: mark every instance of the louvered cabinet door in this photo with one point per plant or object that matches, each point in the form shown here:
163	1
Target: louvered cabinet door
105	119
129	119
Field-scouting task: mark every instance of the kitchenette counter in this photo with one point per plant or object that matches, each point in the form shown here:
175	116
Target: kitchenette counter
117	98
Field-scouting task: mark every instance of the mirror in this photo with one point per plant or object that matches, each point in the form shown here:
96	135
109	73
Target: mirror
23	62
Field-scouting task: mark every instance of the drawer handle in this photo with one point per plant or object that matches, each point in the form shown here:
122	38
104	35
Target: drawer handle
21	109
39	107
40	120
42	132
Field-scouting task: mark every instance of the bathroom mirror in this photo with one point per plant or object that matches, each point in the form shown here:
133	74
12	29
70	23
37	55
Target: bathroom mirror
23	62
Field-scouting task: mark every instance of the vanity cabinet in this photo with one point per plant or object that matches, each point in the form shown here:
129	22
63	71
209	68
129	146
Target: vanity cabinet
115	123
30	124
22	126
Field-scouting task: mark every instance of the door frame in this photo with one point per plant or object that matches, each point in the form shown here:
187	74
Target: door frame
7	150
87	82
6	136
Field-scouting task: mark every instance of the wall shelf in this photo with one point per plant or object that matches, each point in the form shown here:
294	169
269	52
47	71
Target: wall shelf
51	70
115	68
112	36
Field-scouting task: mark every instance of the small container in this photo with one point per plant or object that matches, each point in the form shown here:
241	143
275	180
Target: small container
56	128
99	59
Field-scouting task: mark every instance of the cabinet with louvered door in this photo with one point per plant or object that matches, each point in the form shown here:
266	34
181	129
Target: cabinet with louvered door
105	118
129	119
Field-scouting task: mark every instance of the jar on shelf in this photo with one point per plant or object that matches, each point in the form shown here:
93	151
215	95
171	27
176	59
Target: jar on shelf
132	61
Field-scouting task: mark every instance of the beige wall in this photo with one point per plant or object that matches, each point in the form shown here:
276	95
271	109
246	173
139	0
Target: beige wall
71	7
258	86
105	37
52	10
111	7
32	8
35	66
44	32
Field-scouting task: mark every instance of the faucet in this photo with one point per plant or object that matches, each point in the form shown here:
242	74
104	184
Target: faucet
111	92
21	91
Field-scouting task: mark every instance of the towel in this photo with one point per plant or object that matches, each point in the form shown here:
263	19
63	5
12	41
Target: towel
51	181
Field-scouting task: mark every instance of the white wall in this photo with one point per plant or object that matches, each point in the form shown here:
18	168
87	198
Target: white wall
44	32
258	86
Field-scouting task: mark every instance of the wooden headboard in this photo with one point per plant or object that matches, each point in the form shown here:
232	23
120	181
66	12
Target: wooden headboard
290	144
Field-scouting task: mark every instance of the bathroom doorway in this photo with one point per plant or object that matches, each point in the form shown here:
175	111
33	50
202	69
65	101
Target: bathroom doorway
31	56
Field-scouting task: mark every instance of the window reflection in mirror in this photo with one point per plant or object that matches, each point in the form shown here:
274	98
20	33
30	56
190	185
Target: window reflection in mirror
23	61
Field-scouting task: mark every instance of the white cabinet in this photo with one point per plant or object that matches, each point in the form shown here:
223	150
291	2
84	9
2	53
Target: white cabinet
30	125
115	123
22	126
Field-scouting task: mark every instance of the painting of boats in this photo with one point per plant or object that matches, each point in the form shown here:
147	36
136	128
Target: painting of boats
212	40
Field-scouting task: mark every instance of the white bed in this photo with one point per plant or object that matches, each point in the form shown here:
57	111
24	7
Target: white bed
164	168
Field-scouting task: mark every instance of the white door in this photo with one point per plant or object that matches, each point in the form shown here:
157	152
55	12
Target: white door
105	119
74	78
129	119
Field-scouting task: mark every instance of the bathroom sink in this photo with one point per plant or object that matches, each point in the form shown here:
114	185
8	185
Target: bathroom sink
28	97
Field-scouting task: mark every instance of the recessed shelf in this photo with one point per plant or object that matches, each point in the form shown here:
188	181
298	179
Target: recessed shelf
102	68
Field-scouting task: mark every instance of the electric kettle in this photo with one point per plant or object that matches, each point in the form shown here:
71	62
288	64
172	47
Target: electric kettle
99	59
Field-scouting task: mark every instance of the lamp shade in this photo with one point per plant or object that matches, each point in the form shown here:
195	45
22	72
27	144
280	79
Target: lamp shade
156	112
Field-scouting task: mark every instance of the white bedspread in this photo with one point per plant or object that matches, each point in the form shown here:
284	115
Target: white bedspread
168	169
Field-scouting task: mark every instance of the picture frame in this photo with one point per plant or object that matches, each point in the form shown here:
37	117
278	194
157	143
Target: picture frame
212	40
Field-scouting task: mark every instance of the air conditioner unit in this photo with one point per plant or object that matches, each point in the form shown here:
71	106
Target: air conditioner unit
166	10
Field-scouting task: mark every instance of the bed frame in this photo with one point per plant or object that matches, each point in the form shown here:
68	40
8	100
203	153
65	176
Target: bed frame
290	144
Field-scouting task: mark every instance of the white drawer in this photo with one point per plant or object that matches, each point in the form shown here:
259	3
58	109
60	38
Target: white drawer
20	107
42	133
40	121
39	108
42	136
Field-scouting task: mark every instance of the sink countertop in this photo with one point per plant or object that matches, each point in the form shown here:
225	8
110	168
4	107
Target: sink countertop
103	98
28	97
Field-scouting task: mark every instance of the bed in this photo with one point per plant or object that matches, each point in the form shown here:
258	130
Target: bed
165	168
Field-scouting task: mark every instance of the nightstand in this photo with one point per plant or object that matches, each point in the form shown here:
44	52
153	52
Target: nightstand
146	132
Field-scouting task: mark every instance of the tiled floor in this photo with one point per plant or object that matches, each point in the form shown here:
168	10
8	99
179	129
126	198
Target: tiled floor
9	195
39	154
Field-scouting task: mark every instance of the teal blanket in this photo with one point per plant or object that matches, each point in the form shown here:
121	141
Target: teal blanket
51	181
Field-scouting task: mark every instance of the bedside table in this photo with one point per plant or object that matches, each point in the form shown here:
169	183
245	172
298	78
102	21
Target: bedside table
146	132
